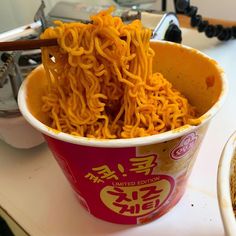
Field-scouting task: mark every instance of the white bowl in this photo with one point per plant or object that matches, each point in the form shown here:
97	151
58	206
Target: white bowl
223	186
17	132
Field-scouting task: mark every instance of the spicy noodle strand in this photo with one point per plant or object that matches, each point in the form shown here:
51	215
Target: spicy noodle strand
101	83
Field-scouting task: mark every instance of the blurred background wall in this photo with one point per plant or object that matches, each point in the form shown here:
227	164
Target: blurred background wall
14	13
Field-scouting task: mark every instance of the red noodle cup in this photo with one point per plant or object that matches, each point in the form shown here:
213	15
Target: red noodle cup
136	180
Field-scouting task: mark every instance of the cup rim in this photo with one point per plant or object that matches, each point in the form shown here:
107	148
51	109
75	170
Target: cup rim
129	142
223	185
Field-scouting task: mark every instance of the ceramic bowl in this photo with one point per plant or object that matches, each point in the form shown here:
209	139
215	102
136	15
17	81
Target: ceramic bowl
225	171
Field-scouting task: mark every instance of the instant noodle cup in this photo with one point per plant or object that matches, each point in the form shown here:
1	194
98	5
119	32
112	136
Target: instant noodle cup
136	180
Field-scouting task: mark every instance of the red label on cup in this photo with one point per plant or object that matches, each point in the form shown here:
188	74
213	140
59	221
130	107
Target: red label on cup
114	184
121	185
184	146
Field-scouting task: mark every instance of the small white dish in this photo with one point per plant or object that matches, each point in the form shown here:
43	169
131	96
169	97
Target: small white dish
223	186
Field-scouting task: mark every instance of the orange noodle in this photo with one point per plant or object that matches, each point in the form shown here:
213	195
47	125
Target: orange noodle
101	83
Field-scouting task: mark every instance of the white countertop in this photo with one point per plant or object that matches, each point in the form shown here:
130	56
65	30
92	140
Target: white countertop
35	193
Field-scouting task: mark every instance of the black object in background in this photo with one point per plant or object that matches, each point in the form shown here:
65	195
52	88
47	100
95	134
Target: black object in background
197	21
4	228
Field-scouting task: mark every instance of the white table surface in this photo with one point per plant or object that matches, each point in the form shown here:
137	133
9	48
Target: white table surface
36	194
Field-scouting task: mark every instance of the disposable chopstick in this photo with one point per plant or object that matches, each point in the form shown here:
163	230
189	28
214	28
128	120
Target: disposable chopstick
27	44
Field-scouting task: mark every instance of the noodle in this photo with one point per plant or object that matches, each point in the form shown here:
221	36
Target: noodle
101	83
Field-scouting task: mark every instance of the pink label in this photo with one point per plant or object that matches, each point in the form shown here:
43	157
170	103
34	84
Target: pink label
184	146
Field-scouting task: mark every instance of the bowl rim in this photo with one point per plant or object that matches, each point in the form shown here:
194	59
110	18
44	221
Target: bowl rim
223	186
130	142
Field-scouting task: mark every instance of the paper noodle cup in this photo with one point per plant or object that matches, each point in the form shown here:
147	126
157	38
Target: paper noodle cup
137	180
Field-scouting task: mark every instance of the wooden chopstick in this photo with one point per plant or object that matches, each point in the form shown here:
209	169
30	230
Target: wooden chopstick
27	44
